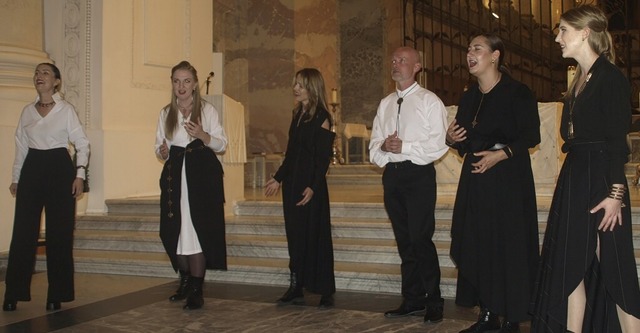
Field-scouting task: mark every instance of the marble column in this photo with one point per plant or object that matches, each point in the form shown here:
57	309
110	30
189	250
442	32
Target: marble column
21	48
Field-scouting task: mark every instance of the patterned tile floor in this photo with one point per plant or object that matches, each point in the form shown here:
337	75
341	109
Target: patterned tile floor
111	303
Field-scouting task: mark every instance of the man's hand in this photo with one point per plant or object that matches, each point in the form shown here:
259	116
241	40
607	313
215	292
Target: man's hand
392	144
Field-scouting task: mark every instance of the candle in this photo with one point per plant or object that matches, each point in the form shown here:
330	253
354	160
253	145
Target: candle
571	72
334	96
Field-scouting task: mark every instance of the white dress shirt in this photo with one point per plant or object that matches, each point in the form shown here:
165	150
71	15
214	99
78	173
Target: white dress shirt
59	127
421	125
210	124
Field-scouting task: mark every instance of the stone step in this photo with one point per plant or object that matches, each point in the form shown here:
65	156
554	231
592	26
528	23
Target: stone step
363	210
149	206
366	257
266	271
356	169
360	250
258	245
356	228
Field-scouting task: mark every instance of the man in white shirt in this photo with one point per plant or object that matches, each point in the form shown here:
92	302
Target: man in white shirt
408	135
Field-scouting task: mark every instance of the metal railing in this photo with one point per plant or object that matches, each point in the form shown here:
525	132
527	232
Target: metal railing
440	30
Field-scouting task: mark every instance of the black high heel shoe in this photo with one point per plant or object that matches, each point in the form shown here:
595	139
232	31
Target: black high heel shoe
9	305
294	295
52	306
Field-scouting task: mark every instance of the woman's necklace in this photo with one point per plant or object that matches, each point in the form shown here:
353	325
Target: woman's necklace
45	105
185	111
572	103
483	92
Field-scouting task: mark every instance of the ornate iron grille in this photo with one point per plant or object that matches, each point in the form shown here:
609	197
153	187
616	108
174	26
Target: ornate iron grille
440	30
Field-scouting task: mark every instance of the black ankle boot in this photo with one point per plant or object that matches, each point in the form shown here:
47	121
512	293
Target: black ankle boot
294	294
487	321
183	288
195	300
326	302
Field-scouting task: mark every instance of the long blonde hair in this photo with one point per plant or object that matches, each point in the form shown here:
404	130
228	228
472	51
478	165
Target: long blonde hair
313	82
171	123
588	16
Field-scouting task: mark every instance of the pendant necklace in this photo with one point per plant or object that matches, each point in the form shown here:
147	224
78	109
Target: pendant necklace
572	103
400	100
183	111
483	92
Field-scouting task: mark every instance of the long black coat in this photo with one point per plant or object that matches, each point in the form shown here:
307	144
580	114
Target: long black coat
206	202
308	227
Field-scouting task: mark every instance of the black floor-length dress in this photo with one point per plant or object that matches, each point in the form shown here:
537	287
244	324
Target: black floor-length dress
595	160
308	227
495	225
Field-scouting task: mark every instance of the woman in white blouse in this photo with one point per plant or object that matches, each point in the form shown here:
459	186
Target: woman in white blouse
44	176
192	226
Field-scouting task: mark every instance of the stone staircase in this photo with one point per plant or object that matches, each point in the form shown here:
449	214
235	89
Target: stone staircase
125	241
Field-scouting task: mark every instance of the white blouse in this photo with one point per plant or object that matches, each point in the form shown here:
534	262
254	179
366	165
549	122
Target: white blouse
55	130
210	124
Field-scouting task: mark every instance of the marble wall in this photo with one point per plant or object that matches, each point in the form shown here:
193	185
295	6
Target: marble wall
266	41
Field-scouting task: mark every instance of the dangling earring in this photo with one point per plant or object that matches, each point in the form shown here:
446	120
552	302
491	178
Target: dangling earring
493	61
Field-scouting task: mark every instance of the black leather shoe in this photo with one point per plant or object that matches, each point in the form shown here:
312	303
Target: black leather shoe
487	321
404	311
433	314
52	306
326	302
9	305
510	327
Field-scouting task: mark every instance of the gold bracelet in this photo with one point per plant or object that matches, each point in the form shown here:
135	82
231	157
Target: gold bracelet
613	196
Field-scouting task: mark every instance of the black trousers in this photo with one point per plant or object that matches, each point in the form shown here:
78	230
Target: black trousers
410	199
45	182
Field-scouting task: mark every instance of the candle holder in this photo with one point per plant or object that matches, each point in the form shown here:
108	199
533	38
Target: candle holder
336	156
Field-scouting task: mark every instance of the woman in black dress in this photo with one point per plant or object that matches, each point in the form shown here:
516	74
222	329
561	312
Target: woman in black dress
495	224
192	229
588	280
305	196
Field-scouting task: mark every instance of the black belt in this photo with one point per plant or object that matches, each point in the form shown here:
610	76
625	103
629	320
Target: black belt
400	165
